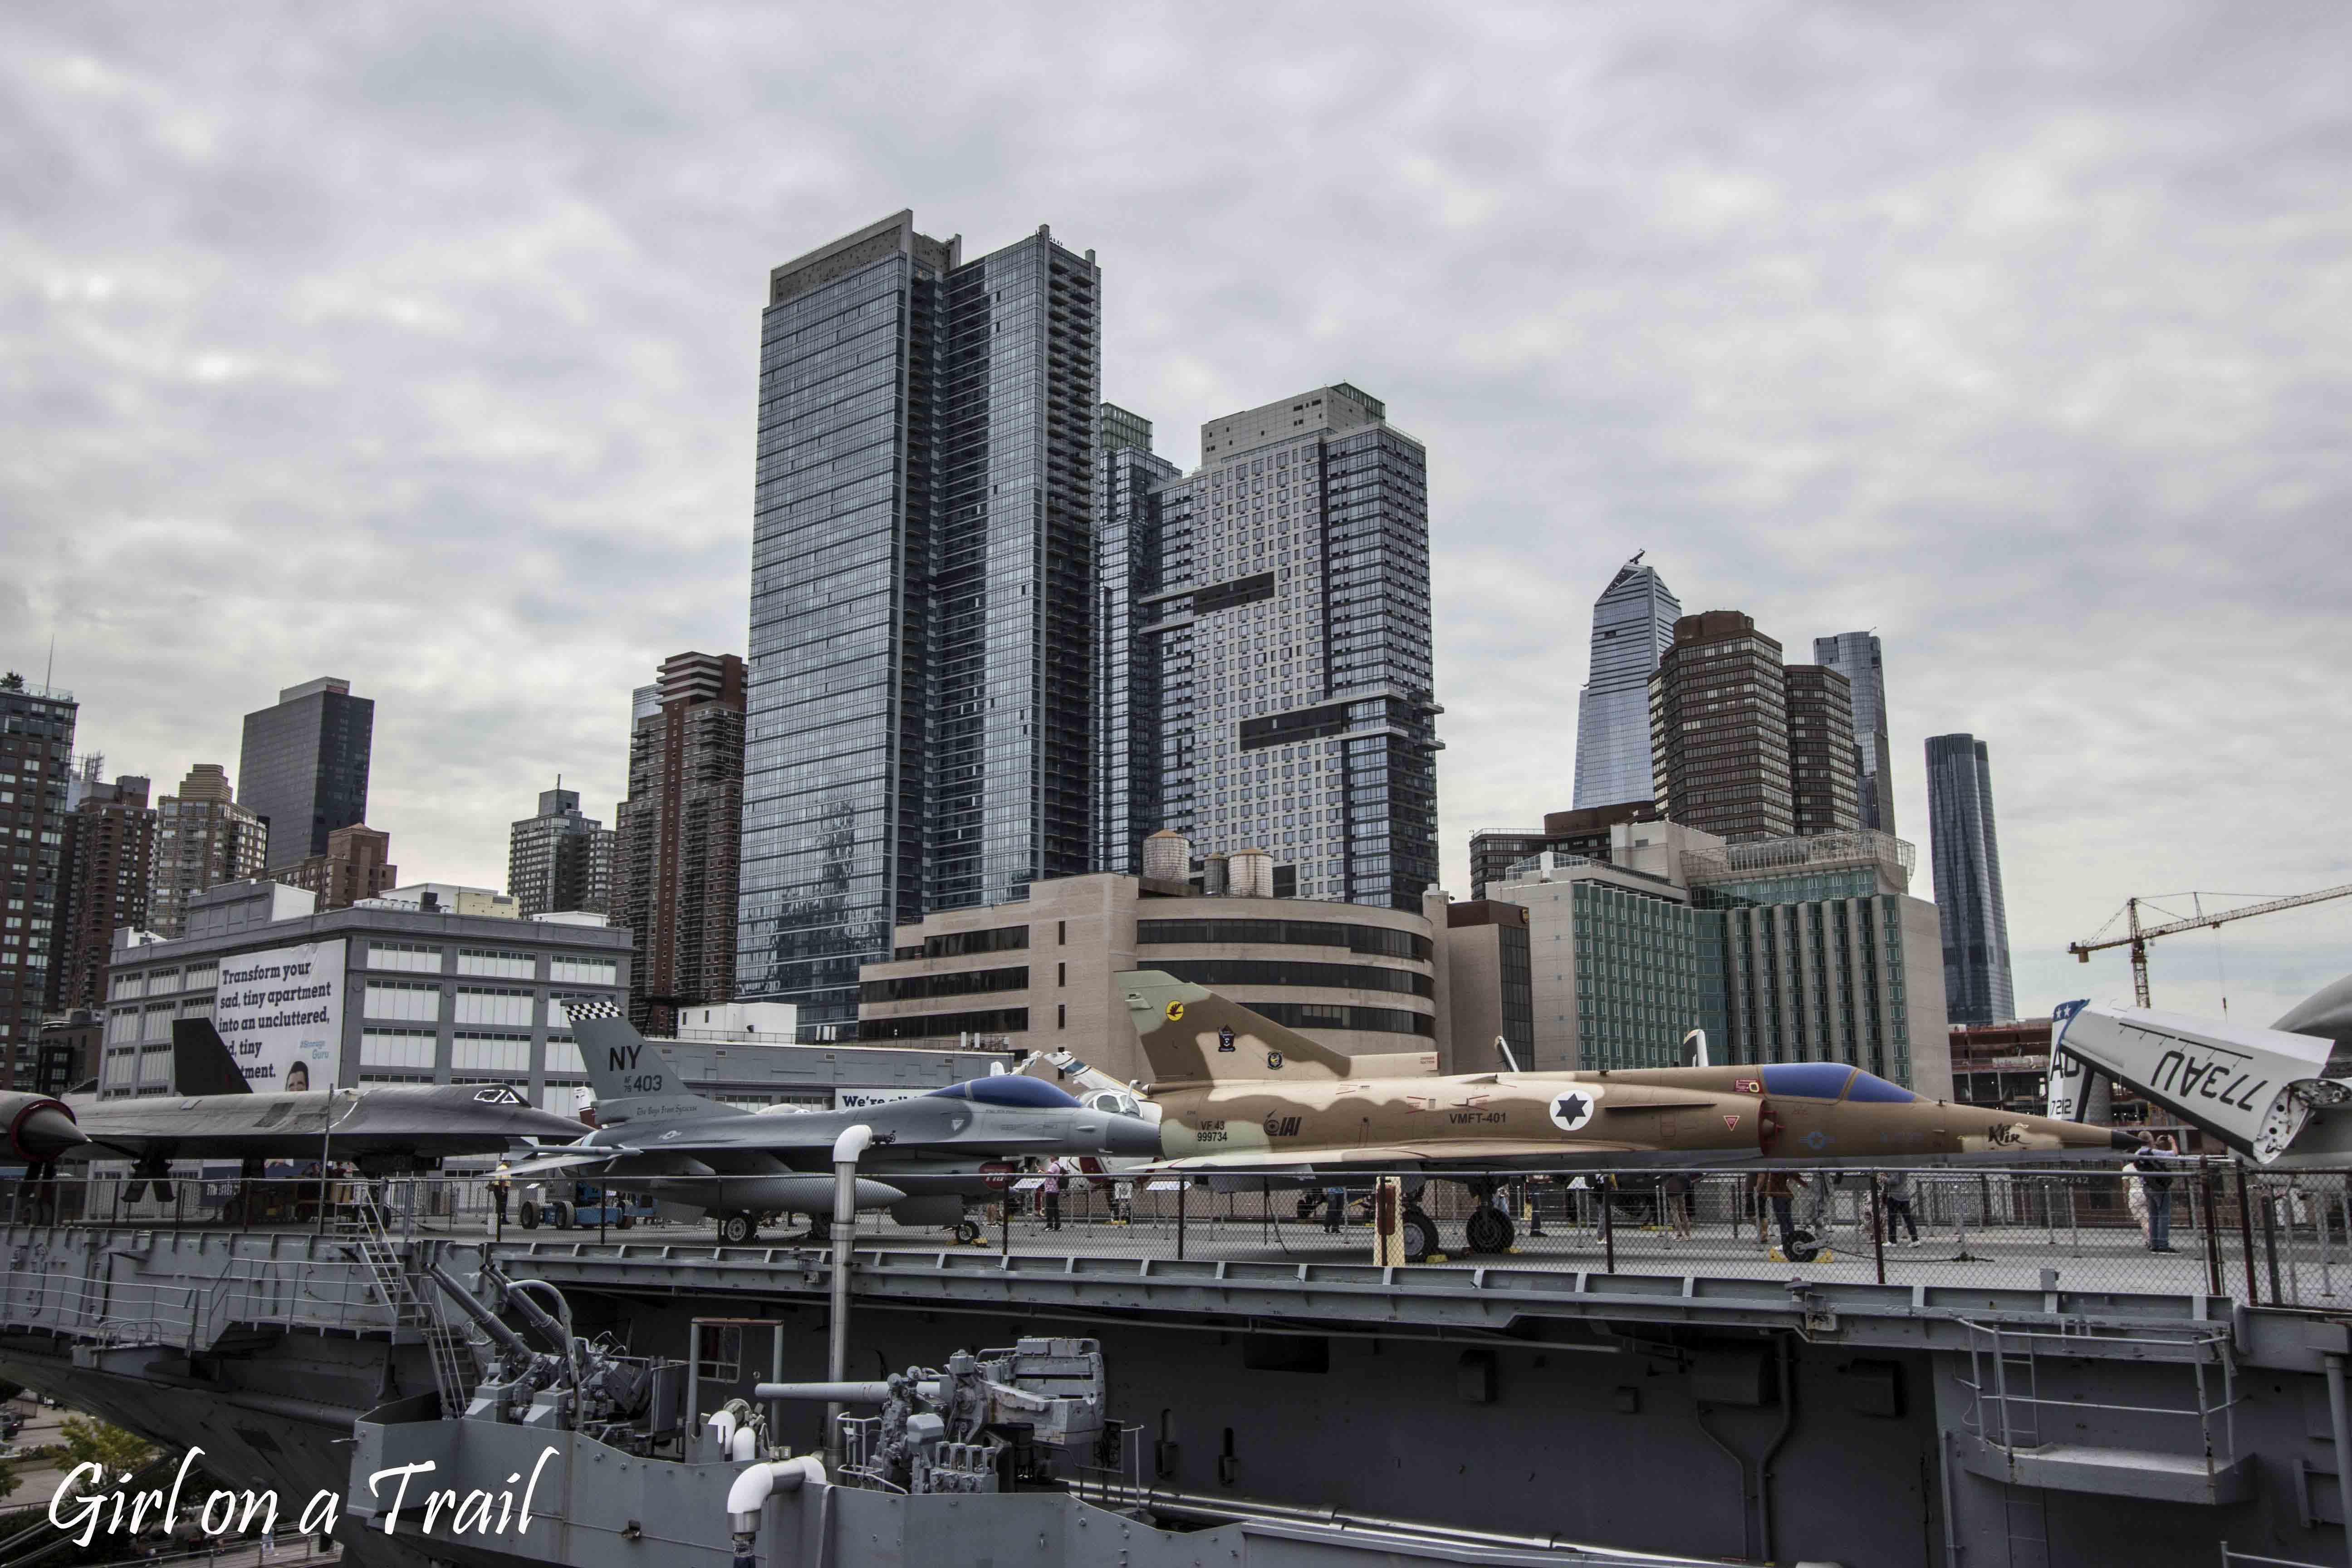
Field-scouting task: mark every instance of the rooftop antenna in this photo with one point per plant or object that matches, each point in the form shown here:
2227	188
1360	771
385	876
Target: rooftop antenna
1637	556
50	676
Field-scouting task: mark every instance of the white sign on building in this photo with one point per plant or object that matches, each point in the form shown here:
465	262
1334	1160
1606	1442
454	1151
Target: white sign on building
281	1010
859	1099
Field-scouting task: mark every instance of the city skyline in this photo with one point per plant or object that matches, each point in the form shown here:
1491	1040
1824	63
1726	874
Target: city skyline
1781	475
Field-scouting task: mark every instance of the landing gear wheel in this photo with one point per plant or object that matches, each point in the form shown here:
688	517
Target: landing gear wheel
967	1231
737	1229
1420	1235
1800	1247
529	1216
625	1221
820	1228
1489	1230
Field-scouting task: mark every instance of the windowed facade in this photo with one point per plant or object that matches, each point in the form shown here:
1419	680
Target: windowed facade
1286	642
1633	626
918	734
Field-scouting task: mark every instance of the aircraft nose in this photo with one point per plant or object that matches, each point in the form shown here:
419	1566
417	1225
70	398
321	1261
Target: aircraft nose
45	1133
1130	1136
2127	1142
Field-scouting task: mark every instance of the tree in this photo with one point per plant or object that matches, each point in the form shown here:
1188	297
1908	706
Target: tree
88	1442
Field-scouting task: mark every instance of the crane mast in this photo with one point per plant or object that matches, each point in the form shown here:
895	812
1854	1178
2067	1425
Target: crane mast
2138	936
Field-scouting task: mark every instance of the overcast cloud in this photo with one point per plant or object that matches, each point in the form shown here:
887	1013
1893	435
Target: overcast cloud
418	345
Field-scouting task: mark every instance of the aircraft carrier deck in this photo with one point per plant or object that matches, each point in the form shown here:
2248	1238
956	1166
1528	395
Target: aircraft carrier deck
2029	1393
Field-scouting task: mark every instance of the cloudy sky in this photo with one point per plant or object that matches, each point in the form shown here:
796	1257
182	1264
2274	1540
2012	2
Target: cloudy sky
418	345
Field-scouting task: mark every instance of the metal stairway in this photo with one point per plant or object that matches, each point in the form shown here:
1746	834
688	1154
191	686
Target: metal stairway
360	1225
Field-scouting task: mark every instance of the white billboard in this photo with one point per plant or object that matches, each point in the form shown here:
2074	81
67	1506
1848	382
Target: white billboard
281	1010
859	1099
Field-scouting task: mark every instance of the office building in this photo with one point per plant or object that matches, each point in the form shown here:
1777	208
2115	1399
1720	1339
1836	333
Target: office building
1965	850
36	734
1490	992
387	994
1565	833
1291	648
560	858
1633	626
202	838
304	766
1824	794
1371	981
106	878
64	1052
1858	656
1827	956
1794	948
1719	730
919	693
681	837
1129	796
357	865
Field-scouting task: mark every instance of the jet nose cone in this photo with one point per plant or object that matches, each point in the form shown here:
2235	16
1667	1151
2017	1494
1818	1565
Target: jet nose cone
46	1133
1130	1136
2127	1142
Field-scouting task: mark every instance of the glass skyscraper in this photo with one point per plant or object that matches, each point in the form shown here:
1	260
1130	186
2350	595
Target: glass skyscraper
1287	644
1127	557
919	735
303	768
1633	626
1858	656
1966	853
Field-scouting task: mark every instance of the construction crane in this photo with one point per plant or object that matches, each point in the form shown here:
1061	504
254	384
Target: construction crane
2137	936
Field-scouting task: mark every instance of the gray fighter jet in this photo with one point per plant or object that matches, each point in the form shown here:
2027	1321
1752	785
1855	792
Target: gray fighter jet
385	1129
929	1154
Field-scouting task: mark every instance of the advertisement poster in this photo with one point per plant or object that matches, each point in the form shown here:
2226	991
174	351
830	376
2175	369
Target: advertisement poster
281	1014
859	1099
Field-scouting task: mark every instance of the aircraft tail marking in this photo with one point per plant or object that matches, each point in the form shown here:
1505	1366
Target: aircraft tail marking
631	1079
1192	1035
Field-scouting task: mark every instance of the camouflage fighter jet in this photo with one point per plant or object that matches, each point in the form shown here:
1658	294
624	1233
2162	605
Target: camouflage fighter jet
929	1154
383	1130
1238	1093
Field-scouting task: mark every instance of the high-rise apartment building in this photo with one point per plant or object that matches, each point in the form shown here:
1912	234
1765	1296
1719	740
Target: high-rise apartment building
1633	626
920	679
105	877
36	732
681	836
1719	730
1822	782
1289	645
357	865
202	838
1966	852
1128	692
560	858
305	767
1858	656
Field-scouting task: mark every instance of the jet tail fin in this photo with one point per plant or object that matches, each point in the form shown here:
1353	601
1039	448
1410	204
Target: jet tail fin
632	1080
1192	1035
201	1062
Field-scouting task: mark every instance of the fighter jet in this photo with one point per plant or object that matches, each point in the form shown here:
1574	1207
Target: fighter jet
2268	1096
1239	1092
385	1129
929	1154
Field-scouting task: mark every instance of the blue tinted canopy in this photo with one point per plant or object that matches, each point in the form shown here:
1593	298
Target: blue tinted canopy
1807	1080
1009	1089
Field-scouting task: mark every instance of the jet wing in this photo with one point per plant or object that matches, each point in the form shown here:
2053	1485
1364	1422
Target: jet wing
2261	1092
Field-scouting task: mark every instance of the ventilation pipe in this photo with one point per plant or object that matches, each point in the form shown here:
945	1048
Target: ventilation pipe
846	1151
